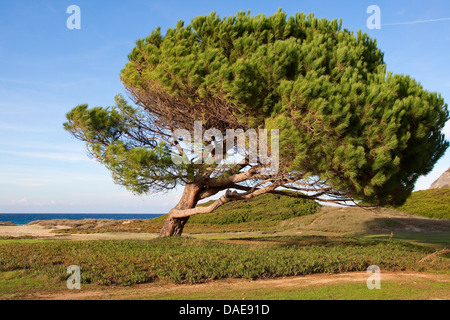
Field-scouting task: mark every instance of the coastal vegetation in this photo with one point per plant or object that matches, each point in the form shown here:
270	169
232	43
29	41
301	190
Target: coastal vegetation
188	260
431	203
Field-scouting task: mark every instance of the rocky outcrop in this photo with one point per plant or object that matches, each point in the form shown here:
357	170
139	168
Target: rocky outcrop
83	225
6	223
442	182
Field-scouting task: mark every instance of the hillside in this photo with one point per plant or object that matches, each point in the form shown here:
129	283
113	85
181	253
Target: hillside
268	207
431	203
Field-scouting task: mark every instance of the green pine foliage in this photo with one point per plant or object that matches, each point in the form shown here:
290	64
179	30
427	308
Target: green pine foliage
110	137
432	203
342	116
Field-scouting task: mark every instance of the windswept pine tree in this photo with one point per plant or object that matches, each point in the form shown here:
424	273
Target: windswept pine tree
348	129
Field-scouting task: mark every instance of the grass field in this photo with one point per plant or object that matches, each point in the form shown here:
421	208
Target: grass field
40	266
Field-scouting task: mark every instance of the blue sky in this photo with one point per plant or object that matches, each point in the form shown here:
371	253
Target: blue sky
47	69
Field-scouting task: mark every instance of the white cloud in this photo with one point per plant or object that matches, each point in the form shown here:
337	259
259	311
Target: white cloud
415	22
23	201
54	156
51	85
52	176
50	203
23	128
42	146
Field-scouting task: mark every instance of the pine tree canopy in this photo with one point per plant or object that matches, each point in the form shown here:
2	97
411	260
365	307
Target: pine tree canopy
349	129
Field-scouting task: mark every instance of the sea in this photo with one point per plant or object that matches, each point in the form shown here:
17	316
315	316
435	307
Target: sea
24	218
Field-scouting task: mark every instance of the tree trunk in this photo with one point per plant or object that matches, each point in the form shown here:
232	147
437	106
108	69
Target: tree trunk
174	226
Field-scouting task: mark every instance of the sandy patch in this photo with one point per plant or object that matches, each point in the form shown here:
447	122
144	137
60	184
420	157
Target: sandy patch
28	231
41	232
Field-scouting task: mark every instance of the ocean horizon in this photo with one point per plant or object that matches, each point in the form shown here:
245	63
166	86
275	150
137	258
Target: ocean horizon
25	218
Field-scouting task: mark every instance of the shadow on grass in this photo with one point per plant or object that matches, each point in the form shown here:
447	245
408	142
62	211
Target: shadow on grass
312	240
428	232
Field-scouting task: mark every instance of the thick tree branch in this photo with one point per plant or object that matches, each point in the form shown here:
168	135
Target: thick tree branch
252	173
176	213
227	197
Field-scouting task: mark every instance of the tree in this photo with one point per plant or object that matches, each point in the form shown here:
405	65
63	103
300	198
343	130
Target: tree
348	129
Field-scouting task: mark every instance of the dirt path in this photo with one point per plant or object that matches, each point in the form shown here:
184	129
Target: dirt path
240	288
